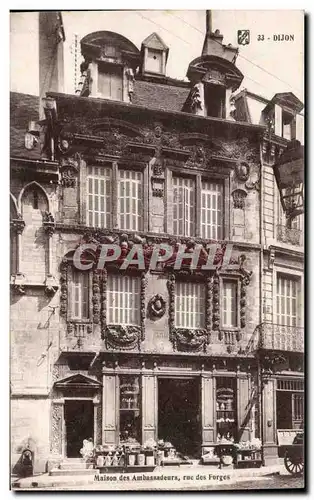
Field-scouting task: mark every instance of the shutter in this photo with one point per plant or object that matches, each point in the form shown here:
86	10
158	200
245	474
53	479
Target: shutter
211	211
300	128
183	206
130	202
98	204
278	120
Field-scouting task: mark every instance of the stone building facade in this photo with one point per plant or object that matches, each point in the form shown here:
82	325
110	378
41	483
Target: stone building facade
140	158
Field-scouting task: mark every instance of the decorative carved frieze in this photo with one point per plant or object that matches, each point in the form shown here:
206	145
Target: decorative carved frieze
123	337
239	196
96	297
209	301
171	290
64	287
156	307
142	305
216	301
189	340
56	428
103	303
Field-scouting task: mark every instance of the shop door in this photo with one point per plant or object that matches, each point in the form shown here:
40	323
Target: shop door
179	414
79	424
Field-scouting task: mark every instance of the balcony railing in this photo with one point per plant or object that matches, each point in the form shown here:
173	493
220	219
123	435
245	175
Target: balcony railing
281	337
288	235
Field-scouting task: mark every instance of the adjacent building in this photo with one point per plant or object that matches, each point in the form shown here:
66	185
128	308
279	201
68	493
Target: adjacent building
137	157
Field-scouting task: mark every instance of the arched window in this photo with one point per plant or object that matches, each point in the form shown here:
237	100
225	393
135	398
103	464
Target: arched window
34	204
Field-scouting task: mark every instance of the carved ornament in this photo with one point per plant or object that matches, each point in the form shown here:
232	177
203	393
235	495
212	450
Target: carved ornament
239	196
189	340
242	171
123	337
157	307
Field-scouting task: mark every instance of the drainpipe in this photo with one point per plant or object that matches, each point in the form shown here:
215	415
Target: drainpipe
261	264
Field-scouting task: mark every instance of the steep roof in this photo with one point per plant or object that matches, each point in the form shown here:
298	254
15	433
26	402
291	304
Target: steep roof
23	108
160	96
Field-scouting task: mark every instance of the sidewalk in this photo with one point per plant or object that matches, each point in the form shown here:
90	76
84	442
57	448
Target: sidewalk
164	478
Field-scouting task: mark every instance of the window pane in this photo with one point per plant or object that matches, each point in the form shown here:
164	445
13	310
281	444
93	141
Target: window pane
123	300
287	297
130	200
98	204
211	210
190	305
230	304
80	295
183	206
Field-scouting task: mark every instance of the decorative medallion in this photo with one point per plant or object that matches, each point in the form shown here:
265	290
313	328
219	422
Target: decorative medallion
242	171
156	307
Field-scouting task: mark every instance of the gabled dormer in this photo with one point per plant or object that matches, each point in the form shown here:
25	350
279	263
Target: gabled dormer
110	63
282	114
154	55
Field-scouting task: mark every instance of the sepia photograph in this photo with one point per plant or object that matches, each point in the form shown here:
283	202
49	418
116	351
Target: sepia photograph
157	250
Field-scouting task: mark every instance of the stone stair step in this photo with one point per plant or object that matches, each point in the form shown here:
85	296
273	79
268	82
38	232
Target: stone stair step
74	465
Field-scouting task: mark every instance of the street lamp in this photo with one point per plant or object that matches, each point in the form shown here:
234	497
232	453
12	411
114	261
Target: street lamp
289	174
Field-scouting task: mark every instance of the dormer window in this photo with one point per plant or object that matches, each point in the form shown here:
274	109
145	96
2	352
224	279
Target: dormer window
288	125
154	61
215	100
154	53
110	81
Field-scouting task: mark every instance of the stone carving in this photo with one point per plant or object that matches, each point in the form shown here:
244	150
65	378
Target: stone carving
216	301
56	429
64	287
123	337
69	171
51	285
195	99
171	289
103	303
49	224
96	297
157	307
130	79
245	274
189	340
239	196
242	171
158	186
142	307
271	258
17	225
209	299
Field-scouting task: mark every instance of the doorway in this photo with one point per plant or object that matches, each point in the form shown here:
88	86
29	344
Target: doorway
79	425
179	414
